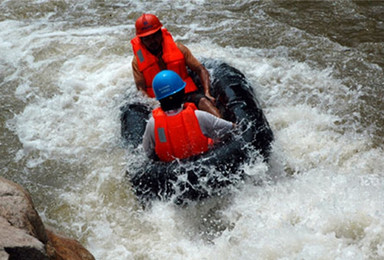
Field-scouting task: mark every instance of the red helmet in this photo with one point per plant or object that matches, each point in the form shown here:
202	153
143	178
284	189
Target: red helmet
147	24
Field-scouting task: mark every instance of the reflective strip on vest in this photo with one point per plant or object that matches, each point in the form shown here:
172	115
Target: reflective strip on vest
172	57
179	136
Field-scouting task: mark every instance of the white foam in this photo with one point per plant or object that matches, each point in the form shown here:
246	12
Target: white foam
73	82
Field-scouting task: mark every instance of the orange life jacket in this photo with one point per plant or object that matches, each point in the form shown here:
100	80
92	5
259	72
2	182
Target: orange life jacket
179	136
172	57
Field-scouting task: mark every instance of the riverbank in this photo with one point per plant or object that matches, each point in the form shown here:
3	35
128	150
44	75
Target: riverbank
24	235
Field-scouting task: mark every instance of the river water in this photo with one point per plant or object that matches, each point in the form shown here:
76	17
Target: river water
317	68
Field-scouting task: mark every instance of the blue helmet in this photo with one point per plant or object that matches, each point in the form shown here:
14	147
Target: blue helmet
167	83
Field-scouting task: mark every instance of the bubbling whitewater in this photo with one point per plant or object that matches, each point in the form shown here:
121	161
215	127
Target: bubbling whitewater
65	73
216	172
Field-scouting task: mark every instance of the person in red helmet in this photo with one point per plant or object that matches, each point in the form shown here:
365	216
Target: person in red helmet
177	130
155	50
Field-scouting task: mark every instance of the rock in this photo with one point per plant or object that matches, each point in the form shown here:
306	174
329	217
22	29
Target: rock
17	208
17	243
23	234
67	248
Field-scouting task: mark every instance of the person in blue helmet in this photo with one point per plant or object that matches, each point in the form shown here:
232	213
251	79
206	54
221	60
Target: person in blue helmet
177	130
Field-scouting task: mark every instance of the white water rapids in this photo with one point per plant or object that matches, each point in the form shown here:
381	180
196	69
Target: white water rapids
65	72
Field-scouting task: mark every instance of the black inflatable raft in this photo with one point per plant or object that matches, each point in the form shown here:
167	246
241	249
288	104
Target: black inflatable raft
217	171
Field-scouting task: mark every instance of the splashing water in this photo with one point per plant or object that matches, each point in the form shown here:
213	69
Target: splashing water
65	73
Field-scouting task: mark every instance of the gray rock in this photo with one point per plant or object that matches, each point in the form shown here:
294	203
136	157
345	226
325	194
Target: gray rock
23	234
